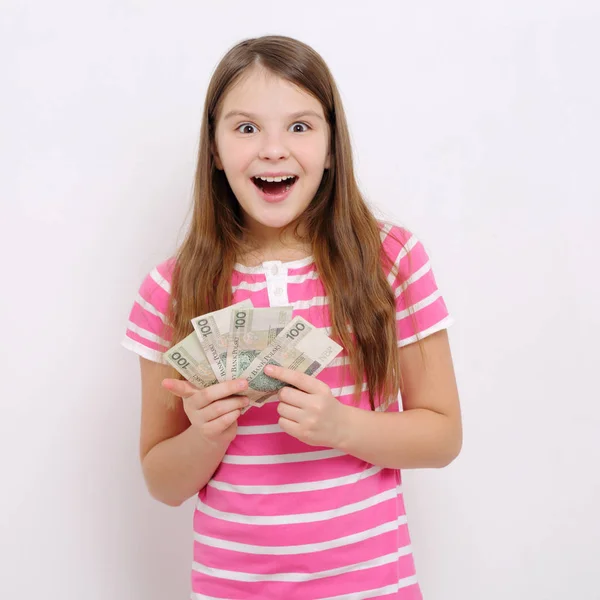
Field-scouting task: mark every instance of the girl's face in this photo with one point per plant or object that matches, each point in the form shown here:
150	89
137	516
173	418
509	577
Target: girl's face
269	128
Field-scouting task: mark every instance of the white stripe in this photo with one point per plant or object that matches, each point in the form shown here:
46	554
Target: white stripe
293	264
135	346
340	361
147	335
308	486
444	324
254	577
419	305
276	459
316	301
327	330
303	278
313	517
246	285
414	277
257	429
160	280
406	248
150	308
347	540
383	232
385	405
382	591
346	390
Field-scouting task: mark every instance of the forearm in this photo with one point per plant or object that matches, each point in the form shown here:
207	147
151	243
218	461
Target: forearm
416	438
177	468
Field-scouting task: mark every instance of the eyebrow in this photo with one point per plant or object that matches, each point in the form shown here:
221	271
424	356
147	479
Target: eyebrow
293	116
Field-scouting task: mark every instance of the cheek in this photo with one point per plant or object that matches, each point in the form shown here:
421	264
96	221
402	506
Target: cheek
235	156
313	156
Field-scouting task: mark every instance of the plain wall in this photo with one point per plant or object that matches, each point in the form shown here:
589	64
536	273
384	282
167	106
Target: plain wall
474	124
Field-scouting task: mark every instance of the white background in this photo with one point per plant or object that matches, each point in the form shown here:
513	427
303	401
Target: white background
474	124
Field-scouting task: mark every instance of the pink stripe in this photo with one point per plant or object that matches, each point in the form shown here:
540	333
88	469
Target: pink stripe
338	585
306	290
259	299
166	268
152	293
425	318
317	315
417	291
291	503
267	444
146	320
411	262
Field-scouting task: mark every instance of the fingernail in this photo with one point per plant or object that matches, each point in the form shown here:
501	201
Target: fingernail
242	384
268	369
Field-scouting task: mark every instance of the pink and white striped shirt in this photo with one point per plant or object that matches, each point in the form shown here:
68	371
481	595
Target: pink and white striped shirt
280	519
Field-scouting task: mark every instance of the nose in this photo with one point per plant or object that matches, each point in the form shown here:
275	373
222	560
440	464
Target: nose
273	148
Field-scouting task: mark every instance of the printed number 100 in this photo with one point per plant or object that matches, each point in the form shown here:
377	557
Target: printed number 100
180	360
295	331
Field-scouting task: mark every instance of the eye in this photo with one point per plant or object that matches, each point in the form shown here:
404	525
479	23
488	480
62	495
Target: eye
299	127
246	128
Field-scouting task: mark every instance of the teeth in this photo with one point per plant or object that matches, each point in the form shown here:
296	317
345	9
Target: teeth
277	179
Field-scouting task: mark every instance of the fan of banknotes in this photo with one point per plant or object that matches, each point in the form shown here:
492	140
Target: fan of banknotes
240	340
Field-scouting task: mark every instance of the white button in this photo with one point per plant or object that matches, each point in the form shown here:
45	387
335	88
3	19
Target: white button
274	270
278	291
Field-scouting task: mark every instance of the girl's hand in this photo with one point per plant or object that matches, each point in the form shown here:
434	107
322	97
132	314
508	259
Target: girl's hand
214	410
310	413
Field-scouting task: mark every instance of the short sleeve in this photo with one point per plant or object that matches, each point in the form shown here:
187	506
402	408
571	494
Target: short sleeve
147	333
420	307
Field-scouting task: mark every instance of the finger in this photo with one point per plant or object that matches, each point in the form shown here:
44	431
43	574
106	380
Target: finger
214	392
180	388
293	397
217	409
290	427
218	426
223	390
291	413
302	381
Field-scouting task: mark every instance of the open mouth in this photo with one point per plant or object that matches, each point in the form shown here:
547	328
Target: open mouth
275	186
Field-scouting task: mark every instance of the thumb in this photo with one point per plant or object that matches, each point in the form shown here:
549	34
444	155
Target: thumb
180	388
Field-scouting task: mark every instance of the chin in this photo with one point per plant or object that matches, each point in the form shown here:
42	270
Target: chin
273	222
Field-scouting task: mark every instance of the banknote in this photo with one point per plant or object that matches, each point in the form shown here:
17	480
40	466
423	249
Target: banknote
189	359
300	347
213	331
250	332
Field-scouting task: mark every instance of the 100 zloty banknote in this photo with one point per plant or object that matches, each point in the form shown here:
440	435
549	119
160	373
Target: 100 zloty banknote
213	333
251	331
300	347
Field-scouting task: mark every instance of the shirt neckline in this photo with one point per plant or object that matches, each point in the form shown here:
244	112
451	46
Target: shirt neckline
262	267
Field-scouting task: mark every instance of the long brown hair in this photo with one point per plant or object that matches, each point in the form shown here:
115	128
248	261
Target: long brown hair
340	227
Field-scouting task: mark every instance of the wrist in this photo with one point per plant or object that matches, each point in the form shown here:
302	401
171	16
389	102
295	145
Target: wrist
347	427
203	443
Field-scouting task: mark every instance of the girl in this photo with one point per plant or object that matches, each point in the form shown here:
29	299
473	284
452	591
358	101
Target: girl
301	498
